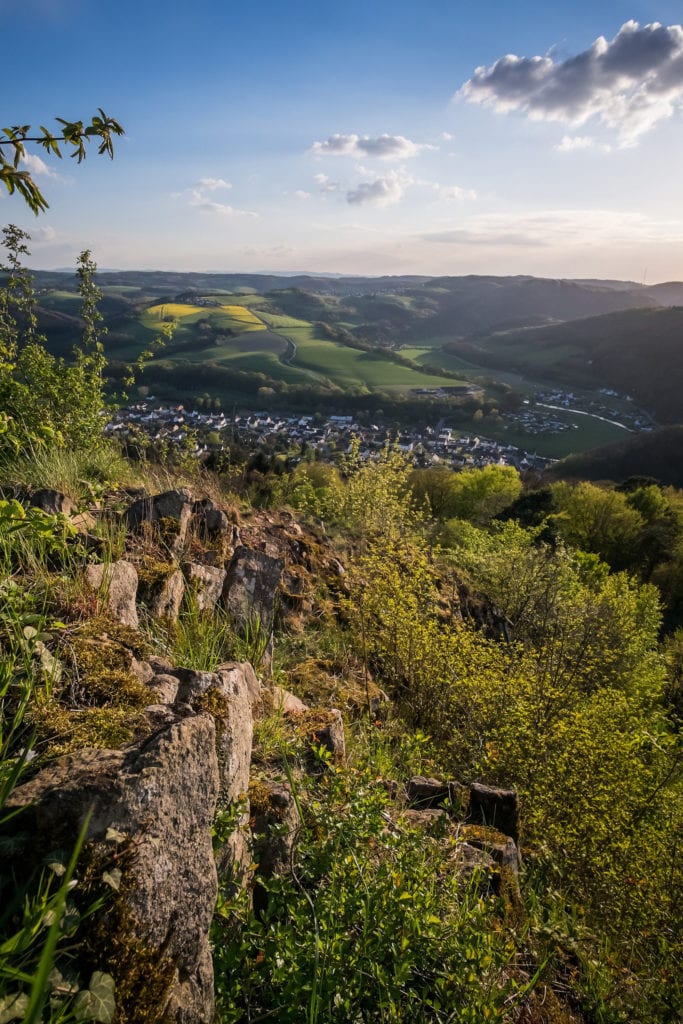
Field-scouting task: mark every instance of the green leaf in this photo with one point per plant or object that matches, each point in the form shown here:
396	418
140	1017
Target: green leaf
98	1001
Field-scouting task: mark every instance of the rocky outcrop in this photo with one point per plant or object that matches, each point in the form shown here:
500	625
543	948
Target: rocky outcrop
151	809
227	696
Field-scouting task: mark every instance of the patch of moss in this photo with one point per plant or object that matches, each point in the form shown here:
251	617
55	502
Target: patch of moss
105	728
152	573
102	672
485	835
319	681
212	701
142	973
167	529
259	797
508	890
125	635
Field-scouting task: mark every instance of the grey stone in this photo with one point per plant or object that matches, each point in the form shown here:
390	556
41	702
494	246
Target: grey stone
285	701
206	582
161	664
165	597
162	510
226	693
250	588
165	687
117	583
142	670
499	808
161	797
246	672
53	502
427	792
503	849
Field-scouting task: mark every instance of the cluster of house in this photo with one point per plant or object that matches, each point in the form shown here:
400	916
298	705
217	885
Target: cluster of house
629	416
325	435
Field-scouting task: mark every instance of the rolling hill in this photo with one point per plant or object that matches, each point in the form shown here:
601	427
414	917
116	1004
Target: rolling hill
636	351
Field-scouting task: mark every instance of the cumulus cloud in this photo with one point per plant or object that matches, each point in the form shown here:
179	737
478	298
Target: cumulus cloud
212	184
383	191
326	185
629	83
43	236
383	147
37	166
302	194
199	197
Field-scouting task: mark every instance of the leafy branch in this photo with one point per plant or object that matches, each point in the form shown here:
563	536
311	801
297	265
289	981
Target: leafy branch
75	135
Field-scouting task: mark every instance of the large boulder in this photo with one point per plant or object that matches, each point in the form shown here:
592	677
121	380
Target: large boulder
226	694
250	589
151	810
499	808
165	596
117	585
206	583
167	515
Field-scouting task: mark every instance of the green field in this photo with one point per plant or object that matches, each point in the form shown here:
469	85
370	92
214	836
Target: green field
350	367
281	346
227	317
585	434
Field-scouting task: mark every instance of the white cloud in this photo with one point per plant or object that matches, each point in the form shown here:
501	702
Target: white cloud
198	199
629	84
326	185
212	184
301	194
38	167
383	191
43	236
446	137
455	192
572	142
582	229
383	147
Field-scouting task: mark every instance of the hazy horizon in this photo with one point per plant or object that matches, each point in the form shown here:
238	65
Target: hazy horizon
365	140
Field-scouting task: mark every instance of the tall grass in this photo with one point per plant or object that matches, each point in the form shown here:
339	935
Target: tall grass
80	474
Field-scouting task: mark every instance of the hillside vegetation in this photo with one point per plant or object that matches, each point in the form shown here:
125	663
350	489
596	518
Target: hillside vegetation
339	674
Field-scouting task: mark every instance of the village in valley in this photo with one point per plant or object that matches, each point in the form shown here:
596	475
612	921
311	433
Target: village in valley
201	431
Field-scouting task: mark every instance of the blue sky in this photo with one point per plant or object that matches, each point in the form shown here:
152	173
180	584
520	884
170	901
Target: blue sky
359	137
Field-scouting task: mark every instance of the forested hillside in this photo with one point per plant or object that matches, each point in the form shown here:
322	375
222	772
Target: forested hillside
638	352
